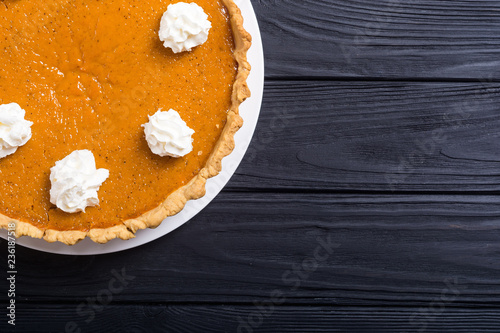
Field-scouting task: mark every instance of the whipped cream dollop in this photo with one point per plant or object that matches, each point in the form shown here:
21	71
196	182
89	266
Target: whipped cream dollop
168	135
184	26
75	182
15	131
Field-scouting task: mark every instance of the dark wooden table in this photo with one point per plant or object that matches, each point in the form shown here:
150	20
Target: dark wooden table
368	200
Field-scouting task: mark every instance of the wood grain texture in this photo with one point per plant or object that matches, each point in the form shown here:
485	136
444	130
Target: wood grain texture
425	39
234	318
389	250
375	136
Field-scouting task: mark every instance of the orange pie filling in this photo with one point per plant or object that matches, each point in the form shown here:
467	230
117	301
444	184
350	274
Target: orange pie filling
88	73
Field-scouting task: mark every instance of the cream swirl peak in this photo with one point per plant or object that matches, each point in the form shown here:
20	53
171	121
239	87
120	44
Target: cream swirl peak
15	131
75	182
168	135
184	26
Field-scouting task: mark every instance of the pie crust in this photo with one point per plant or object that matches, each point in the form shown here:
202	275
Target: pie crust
195	189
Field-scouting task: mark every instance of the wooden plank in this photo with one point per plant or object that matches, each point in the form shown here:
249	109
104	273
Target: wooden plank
375	136
248	319
381	39
397	250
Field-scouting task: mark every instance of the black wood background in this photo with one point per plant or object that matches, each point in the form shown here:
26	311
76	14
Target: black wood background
380	135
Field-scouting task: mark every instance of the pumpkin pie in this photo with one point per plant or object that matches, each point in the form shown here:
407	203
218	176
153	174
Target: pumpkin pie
88	74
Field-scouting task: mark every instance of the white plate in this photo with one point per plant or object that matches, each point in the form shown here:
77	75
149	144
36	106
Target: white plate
249	110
